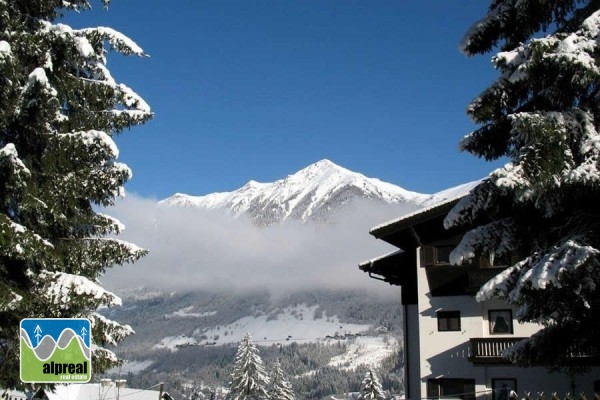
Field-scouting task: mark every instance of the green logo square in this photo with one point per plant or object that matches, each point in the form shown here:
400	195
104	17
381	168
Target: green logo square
56	350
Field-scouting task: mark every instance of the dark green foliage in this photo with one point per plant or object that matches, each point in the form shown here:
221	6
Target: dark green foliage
59	107
542	114
511	22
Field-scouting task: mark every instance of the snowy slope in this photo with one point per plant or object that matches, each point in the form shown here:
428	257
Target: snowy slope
311	193
297	324
293	324
206	324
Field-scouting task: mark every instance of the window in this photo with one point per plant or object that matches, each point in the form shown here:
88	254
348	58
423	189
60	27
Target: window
502	387
451	388
442	254
448	321
500	322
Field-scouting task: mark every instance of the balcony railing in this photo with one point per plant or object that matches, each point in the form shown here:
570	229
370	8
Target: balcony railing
489	350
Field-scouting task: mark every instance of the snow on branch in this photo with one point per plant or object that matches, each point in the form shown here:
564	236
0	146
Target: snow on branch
112	331
5	50
104	354
588	171
9	157
571	132
9	300
469	207
128	252
94	138
105	219
494	238
511	177
38	77
116	40
132	99
577	49
18	241
539	271
514	63
60	287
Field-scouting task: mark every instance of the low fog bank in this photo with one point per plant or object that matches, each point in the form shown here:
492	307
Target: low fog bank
192	249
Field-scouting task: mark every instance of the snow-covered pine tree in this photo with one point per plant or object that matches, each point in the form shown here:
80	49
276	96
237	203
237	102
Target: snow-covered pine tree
541	208
59	107
281	389
370	388
249	379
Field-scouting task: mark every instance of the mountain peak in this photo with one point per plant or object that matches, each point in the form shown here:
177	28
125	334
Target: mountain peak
314	192
325	163
254	184
320	167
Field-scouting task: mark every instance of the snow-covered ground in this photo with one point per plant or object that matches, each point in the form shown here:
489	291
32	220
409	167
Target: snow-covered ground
134	367
172	342
186	312
293	324
366	350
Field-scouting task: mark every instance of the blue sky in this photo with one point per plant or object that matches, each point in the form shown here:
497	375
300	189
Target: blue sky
259	89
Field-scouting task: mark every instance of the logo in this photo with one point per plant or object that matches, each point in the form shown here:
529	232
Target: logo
55	350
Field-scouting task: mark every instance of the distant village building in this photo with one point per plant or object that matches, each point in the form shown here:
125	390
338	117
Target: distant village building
453	344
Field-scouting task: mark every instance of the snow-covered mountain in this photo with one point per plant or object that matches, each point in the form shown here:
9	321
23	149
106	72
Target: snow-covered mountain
312	193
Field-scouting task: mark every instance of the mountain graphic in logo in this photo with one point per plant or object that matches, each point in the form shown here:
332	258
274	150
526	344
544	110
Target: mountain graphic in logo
55	350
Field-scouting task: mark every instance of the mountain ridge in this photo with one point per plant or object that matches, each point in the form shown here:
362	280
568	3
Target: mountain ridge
312	193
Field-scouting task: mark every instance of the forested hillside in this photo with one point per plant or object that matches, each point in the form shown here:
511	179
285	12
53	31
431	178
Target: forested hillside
324	340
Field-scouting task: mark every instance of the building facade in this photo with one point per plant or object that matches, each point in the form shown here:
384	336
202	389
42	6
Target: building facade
453	344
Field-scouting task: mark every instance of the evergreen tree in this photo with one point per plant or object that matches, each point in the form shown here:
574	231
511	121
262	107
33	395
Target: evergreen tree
541	208
370	388
59	107
249	379
281	389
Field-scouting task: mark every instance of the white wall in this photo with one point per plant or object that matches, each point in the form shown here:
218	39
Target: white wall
445	354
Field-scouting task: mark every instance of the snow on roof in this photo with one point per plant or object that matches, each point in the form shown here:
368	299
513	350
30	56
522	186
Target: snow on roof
450	196
373	260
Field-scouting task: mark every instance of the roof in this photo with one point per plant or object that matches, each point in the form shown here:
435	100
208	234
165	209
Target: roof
372	261
448	199
401	232
394	268
408	232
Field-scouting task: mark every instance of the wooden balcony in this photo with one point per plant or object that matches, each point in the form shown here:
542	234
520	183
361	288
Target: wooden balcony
489	350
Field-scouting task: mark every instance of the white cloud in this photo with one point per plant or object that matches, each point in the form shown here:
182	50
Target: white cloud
197	249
